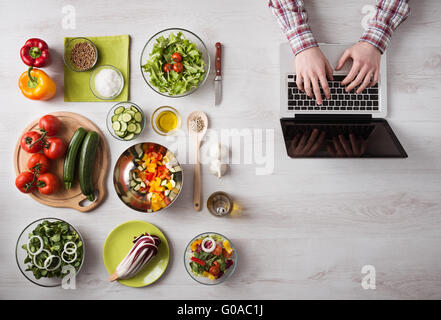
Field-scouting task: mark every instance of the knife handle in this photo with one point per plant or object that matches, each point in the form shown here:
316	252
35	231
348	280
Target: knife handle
218	59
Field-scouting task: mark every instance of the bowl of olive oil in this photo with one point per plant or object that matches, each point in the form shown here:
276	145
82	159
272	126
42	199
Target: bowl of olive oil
166	120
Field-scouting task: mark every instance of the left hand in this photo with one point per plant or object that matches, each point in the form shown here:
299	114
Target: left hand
365	66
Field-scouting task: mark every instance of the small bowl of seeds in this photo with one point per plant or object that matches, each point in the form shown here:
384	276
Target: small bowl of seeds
80	54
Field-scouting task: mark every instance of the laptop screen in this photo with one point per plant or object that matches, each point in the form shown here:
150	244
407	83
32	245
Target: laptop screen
340	138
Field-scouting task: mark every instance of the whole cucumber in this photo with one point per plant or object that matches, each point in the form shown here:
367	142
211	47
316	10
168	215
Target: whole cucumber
86	164
70	161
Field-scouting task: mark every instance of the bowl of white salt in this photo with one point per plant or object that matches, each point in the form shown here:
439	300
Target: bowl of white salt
106	82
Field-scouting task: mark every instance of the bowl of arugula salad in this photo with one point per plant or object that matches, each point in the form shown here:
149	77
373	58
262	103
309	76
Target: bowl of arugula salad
175	62
210	258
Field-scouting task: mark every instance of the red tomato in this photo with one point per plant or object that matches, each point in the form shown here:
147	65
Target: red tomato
176	57
25	182
39	160
48	183
178	67
30	143
217	251
214	269
49	123
55	148
167	67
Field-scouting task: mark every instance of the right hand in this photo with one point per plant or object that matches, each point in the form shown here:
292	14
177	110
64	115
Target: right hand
312	67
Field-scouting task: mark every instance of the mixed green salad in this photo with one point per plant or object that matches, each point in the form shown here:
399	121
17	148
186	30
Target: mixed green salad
210	256
52	245
176	65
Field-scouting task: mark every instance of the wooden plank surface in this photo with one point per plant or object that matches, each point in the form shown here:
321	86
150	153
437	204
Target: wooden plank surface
306	230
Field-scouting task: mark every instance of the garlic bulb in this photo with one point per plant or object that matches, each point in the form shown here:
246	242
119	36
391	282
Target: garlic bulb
218	154
218	168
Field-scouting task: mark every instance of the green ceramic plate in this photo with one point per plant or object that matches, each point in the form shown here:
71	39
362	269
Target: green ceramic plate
118	244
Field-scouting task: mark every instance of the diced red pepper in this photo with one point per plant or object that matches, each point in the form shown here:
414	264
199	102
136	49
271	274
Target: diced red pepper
199	261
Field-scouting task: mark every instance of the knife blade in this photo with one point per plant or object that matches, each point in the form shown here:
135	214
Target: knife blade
218	78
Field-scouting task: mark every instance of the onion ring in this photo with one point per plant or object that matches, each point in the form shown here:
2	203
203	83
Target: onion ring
213	245
69	261
36	264
48	262
70	250
41	246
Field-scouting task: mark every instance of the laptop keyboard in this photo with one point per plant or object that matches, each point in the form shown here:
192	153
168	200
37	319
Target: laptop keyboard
366	101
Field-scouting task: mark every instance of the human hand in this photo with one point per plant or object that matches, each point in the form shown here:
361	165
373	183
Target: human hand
342	148
306	144
365	66
312	67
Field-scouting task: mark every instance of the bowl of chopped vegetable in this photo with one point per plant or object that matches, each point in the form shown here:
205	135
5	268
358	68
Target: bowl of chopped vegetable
148	177
49	249
210	258
175	62
125	121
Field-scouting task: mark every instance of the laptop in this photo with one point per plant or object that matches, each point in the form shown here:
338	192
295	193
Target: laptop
346	125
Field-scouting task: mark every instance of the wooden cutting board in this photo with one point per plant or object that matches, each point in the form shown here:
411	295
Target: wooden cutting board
72	198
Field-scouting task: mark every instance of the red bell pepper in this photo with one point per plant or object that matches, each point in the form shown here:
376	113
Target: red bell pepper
201	262
35	53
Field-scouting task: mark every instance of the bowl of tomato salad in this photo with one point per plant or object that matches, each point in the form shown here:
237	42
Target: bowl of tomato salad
147	177
210	258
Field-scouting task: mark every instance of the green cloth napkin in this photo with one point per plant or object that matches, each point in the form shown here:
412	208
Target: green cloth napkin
113	50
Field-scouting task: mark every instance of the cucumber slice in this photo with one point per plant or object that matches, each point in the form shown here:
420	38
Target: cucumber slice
120	134
126	117
137	187
164	182
131	112
115	118
129	136
173	183
138	129
123	126
119	110
166	193
138	116
133	108
131	127
116	126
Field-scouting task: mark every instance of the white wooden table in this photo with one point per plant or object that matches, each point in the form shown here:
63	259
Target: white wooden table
306	230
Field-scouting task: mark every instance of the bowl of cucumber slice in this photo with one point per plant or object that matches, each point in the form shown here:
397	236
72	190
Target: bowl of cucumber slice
125	121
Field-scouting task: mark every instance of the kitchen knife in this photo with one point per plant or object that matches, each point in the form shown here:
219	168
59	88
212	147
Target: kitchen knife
218	78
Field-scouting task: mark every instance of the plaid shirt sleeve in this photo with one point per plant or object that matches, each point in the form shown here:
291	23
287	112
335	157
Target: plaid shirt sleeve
293	19
390	14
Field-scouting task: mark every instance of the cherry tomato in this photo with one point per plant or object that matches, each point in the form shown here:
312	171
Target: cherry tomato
48	183
25	182
217	251
178	67
54	148
29	142
176	57
167	67
40	161
214	269
49	123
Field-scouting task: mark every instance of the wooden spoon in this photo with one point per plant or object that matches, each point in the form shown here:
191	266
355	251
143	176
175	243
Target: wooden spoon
197	123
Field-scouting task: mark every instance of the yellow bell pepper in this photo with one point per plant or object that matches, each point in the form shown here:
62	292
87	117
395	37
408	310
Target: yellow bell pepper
208	275
227	247
195	244
35	84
